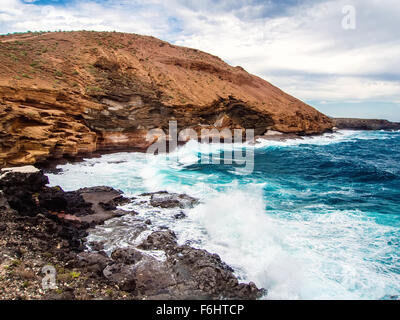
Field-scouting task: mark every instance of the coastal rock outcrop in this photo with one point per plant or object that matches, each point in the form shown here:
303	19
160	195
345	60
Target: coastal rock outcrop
69	94
49	227
164	199
365	124
26	191
187	273
31	242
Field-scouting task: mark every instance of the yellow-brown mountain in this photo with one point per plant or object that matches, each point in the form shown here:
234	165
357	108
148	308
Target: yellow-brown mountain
70	93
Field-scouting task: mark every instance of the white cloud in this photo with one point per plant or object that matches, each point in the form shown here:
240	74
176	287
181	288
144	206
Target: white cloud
341	88
312	42
303	49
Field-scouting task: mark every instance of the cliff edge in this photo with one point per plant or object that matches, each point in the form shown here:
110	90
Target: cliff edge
65	94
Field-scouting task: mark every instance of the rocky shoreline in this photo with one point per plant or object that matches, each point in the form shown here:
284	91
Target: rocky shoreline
365	124
50	165
43	225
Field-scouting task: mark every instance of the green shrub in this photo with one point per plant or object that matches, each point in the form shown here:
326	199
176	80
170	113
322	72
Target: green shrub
34	64
74	274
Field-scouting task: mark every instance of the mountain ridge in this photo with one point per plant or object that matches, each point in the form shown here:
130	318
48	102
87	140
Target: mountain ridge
71	93
365	124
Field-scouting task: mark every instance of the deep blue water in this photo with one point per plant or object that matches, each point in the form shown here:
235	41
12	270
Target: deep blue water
318	218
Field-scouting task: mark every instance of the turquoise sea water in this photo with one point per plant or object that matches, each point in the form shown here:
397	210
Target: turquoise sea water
318	218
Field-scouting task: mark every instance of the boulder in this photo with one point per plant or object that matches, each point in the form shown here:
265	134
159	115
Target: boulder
126	255
21	186
93	261
165	199
159	240
187	273
121	275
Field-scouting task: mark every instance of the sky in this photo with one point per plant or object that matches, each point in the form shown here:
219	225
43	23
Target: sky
340	56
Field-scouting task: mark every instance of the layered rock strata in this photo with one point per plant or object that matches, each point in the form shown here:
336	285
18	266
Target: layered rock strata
66	94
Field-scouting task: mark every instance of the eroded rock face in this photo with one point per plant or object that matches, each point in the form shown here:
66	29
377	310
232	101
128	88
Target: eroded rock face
29	134
75	93
21	188
187	273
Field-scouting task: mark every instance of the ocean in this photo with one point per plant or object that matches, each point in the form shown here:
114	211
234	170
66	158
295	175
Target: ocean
317	218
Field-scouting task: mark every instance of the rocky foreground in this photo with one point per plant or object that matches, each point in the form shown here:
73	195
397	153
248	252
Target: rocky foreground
42	225
65	94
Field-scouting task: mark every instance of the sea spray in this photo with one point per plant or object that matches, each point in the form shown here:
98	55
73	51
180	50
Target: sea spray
317	219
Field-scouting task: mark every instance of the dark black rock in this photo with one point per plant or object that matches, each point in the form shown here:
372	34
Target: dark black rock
180	216
365	124
96	246
55	199
24	190
57	222
122	275
20	190
108	206
159	240
126	255
94	262
172	200
187	273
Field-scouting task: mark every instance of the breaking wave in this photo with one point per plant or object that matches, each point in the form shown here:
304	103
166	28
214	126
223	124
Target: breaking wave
317	218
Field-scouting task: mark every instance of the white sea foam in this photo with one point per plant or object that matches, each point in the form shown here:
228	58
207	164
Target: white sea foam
295	255
302	256
247	239
325	139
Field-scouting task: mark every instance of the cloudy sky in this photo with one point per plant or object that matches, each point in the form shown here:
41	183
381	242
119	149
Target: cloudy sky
299	45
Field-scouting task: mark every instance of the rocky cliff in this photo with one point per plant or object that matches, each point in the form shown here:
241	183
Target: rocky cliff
365	124
69	93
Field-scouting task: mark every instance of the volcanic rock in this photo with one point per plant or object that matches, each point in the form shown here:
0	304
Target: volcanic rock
26	192
165	199
54	223
187	273
94	261
21	186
